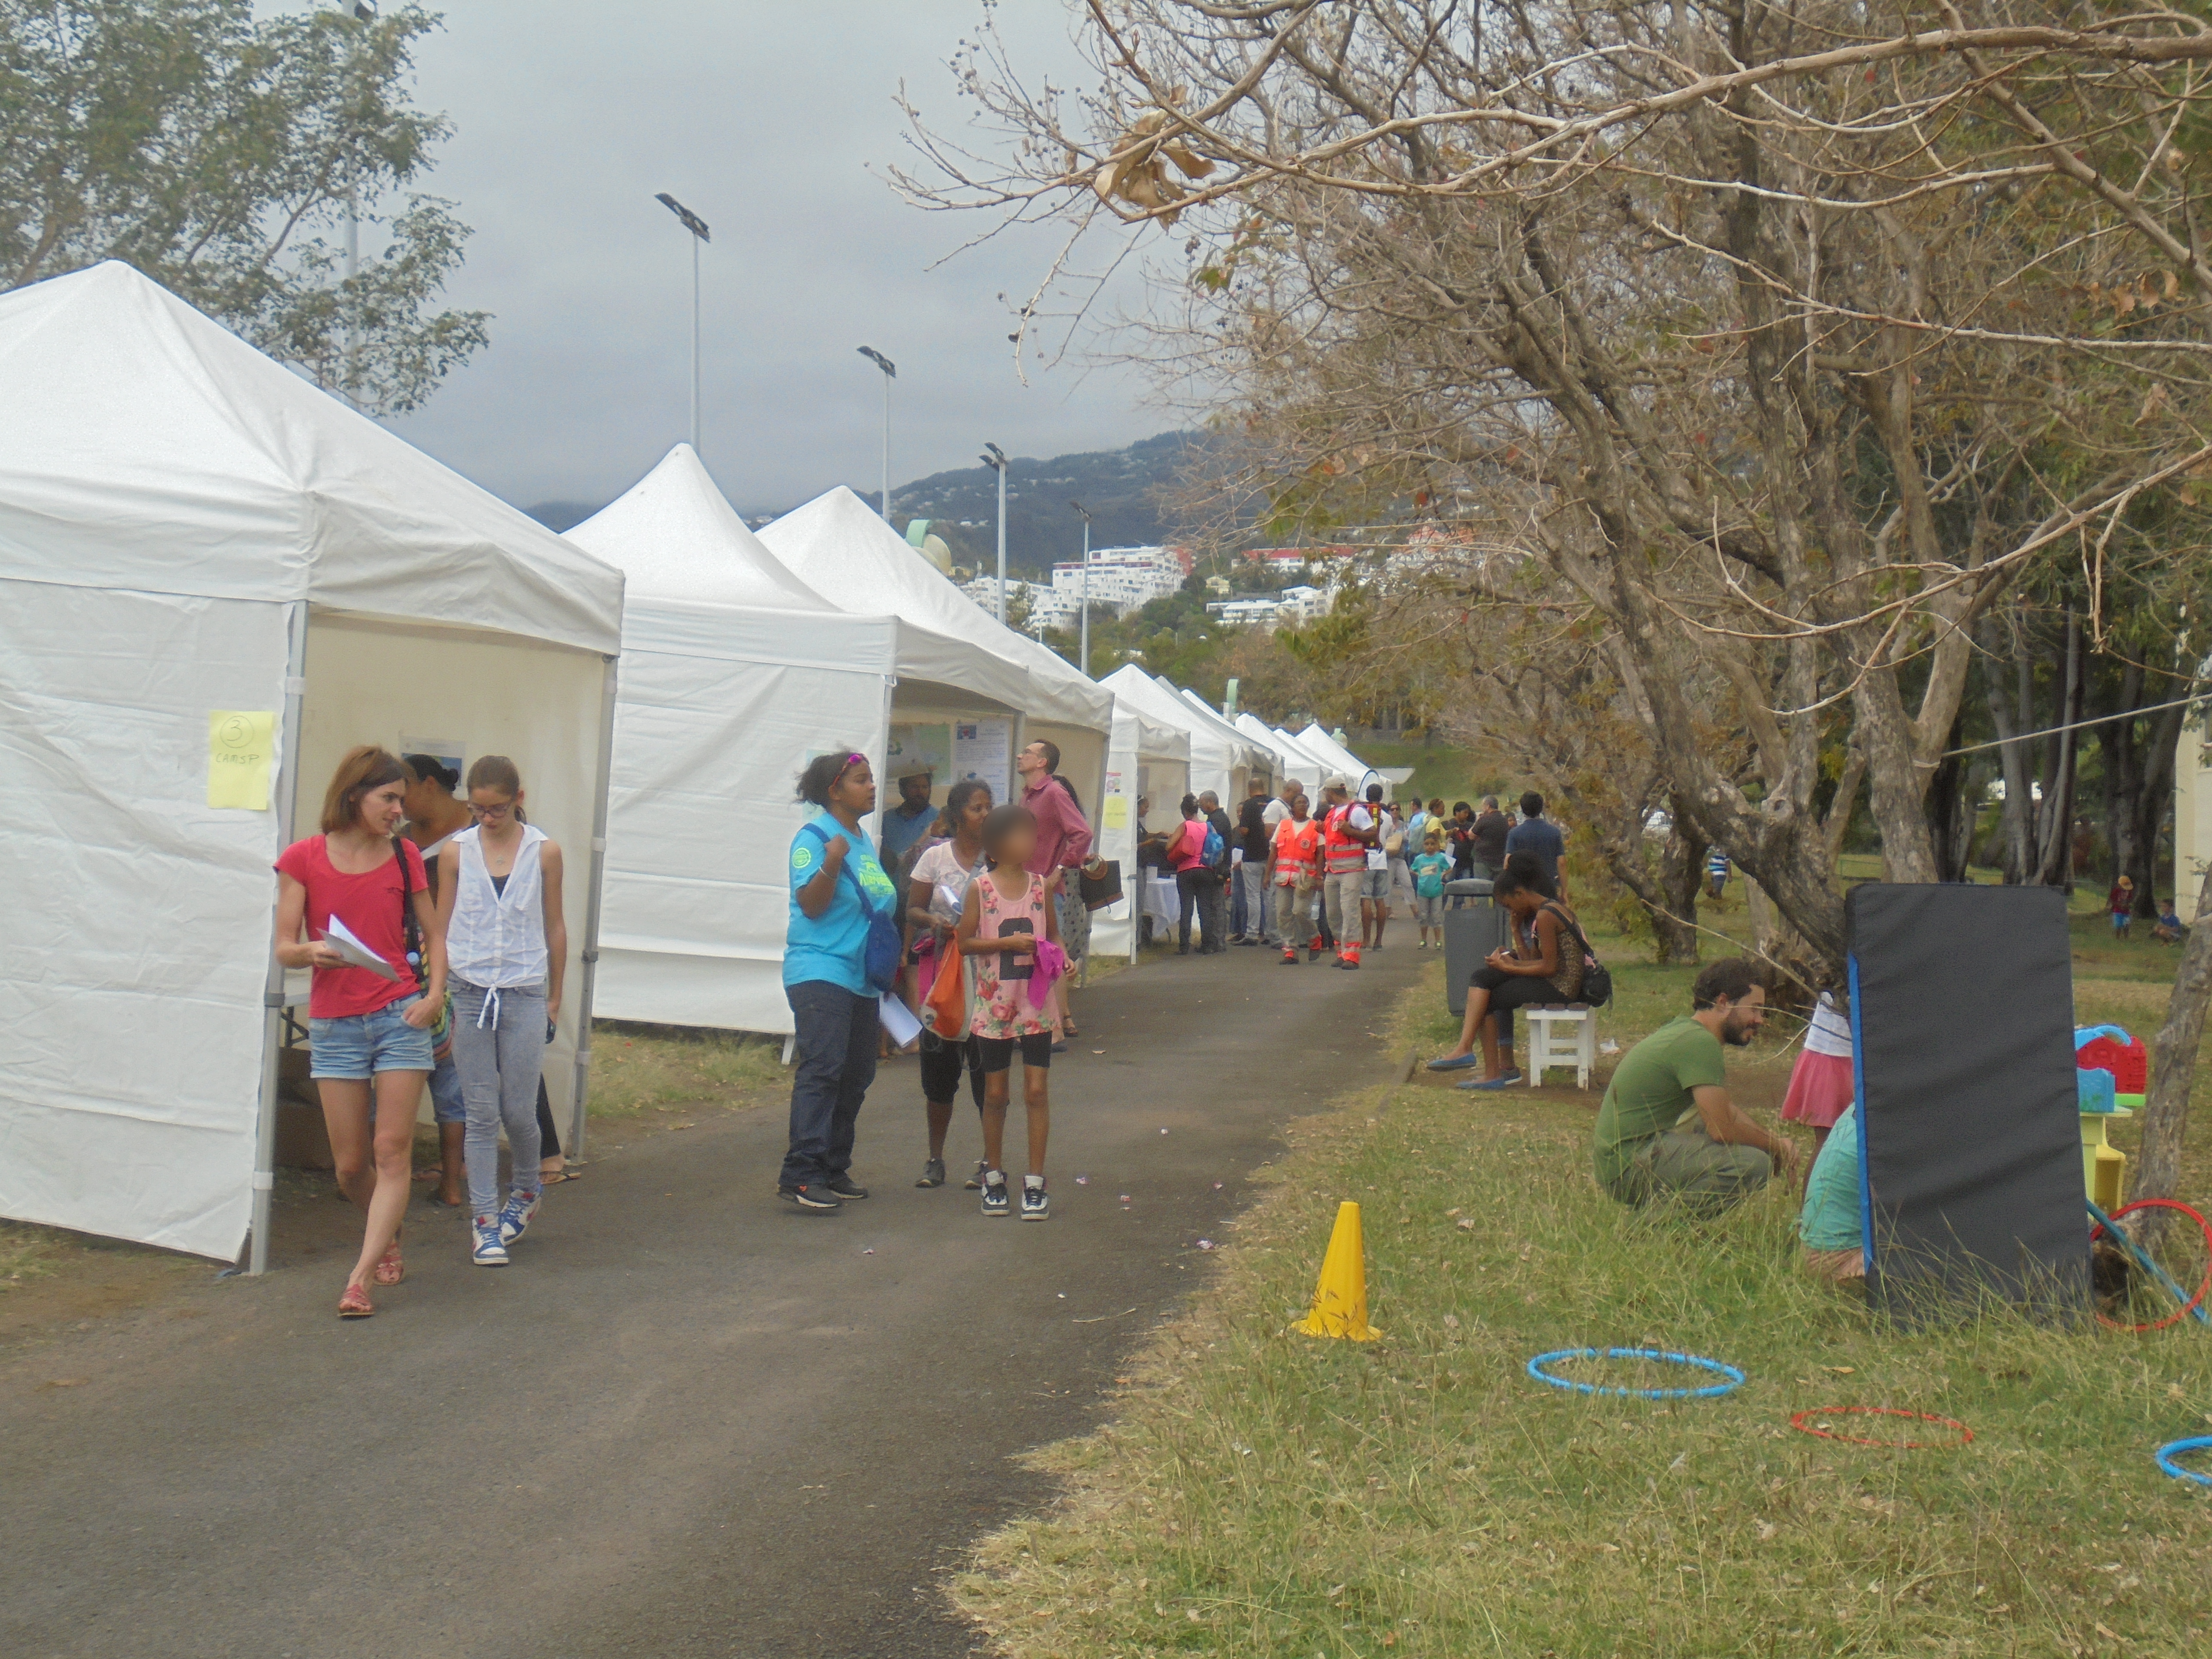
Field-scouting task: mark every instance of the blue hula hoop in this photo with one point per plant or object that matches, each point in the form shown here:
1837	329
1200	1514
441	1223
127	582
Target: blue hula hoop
1712	1390
2166	1453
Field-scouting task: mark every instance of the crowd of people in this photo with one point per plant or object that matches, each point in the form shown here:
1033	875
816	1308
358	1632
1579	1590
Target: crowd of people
437	957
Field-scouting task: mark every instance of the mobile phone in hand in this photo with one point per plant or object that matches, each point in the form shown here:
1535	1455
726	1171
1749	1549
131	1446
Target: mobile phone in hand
550	1028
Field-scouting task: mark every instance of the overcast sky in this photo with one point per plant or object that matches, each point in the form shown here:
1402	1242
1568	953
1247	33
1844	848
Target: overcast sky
764	117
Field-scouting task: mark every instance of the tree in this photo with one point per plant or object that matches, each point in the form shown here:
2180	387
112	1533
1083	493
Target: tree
222	156
1788	346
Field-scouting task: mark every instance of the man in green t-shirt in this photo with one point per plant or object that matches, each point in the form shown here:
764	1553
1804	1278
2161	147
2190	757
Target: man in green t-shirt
1668	1129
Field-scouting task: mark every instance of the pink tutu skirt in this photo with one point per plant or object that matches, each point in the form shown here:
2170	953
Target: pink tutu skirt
1819	1088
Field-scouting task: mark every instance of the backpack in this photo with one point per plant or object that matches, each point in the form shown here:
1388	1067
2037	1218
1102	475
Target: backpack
1597	978
880	959
1215	852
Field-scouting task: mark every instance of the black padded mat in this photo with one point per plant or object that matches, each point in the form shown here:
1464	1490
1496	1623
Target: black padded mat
1963	1020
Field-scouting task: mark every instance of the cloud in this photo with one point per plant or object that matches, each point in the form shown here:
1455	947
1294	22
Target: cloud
764	119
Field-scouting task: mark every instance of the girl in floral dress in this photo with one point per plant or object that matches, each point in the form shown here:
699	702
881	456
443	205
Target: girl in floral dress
1005	916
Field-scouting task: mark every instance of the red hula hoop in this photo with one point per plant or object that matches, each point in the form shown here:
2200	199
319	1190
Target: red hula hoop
2203	1290
1799	1424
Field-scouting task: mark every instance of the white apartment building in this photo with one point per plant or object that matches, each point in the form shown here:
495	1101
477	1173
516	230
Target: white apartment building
1123	578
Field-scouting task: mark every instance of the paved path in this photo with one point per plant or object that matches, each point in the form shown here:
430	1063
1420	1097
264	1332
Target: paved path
688	1421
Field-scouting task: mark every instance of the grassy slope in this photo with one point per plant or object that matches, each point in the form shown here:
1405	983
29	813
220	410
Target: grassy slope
1265	1493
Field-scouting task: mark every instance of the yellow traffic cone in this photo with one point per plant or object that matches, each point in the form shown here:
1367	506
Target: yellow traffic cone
1340	1303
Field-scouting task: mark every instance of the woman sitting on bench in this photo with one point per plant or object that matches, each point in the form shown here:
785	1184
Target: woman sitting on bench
1545	966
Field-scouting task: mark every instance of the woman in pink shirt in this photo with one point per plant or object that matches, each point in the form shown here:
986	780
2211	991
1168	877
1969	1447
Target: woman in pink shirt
369	1028
1063	844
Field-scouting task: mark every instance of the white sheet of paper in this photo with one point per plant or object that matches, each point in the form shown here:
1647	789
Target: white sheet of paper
899	1021
341	939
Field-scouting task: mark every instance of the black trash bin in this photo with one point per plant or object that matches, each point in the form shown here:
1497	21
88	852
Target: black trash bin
1471	932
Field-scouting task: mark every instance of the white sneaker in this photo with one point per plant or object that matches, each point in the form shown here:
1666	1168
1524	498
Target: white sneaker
1035	1206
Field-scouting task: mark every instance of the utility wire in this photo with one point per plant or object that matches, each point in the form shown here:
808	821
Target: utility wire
2052	731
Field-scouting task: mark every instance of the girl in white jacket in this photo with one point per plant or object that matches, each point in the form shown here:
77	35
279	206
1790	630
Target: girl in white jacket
507	944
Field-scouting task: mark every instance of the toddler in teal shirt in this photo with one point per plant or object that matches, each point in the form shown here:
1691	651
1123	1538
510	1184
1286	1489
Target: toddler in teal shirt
1430	869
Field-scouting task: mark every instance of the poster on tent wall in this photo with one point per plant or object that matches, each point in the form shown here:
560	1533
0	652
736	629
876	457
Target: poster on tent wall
913	749
985	748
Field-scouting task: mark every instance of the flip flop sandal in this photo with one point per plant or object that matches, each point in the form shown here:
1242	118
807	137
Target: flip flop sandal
355	1303
558	1176
393	1268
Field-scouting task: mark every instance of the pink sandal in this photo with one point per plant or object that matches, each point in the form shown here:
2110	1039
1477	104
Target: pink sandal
393	1268
355	1303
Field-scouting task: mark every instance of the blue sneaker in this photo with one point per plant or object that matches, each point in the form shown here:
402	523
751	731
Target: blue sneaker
1456	1062
996	1200
514	1219
489	1251
1502	1080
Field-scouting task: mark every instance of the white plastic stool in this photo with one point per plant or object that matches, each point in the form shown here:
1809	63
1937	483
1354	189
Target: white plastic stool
1561	1037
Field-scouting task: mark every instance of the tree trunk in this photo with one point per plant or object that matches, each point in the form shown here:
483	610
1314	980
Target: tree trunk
1949	824
2018	802
2173	1061
2054	863
1681	876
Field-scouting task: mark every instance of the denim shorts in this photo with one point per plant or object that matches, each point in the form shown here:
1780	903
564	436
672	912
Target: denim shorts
360	1045
1375	883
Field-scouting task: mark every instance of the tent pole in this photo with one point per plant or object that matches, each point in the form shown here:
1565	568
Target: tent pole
591	951
284	793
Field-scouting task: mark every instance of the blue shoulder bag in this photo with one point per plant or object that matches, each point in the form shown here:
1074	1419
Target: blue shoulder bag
880	958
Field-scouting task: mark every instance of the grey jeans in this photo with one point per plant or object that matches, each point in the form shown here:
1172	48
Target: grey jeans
500	1061
1258	922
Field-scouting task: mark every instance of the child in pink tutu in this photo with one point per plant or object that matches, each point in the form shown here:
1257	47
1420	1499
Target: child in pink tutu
1823	1083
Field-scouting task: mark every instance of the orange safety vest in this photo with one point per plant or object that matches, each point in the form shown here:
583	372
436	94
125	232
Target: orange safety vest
1294	849
1347	855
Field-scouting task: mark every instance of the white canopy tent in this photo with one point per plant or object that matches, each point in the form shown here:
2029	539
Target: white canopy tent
1233	759
209	568
836	545
1142	758
1287	758
735	673
1312	768
1322	746
1219	763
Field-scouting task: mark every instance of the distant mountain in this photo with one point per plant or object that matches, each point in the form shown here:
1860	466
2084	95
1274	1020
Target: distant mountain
1123	489
561	517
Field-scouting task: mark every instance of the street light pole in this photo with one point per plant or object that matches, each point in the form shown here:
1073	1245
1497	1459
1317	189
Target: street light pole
697	226
1077	506
890	373
996	460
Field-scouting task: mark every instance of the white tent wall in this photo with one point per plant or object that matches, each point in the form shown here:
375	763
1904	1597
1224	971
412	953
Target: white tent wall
131	991
537	704
1145	758
709	743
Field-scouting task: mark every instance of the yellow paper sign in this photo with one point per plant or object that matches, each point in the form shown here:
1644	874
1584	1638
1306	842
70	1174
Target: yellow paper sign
1117	812
242	742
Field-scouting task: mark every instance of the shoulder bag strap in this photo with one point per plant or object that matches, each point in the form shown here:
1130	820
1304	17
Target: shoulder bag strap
411	932
1572	926
844	869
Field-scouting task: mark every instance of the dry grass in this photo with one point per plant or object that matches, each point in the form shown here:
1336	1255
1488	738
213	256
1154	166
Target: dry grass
1263	1493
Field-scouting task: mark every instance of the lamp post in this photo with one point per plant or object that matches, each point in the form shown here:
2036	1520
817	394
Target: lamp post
1085	601
697	226
890	373
996	460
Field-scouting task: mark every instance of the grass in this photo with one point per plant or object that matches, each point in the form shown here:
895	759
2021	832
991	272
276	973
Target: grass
640	1068
1264	1493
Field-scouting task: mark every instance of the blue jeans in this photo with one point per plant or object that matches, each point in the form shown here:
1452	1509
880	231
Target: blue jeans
836	1033
1239	918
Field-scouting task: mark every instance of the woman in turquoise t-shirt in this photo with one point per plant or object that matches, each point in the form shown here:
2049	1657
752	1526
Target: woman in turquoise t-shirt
1431	868
825	978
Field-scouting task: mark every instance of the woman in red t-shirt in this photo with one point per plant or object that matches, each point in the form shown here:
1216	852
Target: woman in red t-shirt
366	1027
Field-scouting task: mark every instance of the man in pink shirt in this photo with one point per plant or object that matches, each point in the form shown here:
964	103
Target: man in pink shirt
1063	845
